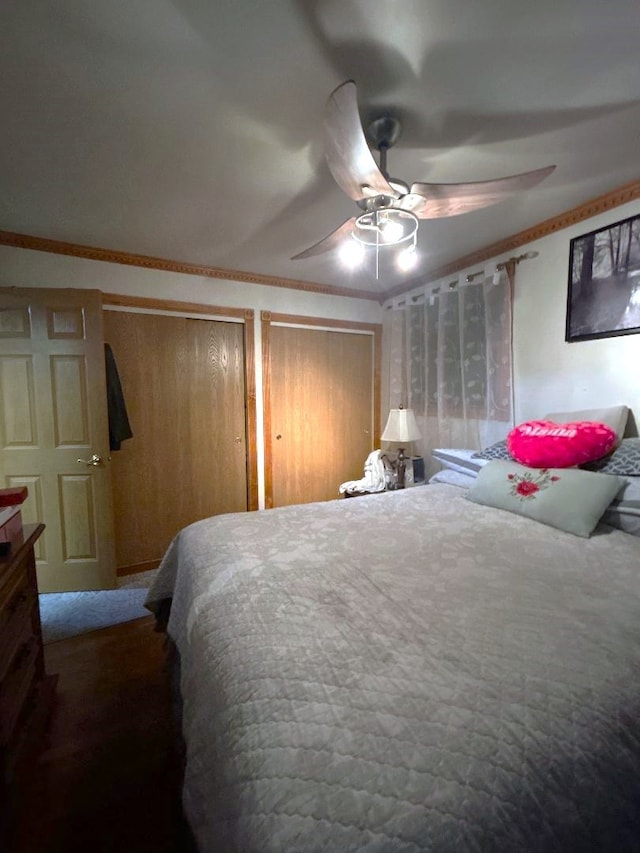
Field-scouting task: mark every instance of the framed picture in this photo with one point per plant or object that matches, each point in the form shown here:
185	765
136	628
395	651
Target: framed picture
604	282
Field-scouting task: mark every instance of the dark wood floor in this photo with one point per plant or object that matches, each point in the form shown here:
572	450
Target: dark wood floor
108	777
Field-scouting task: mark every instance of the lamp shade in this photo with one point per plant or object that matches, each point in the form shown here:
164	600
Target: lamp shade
401	426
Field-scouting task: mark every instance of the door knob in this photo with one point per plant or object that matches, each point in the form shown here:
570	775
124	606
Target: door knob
95	460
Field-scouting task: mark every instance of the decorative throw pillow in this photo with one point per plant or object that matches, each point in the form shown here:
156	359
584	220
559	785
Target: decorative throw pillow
569	499
545	444
499	450
624	460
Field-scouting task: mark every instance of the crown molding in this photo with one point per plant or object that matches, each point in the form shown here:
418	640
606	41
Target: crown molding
94	253
121	300
594	207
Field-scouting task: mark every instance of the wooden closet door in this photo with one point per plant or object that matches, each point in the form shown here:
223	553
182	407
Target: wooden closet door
183	383
321	411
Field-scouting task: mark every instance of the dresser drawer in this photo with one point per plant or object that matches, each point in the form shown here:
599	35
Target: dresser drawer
15	617
9	581
16	685
26	691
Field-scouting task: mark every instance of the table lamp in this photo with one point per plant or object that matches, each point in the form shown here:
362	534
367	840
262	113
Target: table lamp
401	428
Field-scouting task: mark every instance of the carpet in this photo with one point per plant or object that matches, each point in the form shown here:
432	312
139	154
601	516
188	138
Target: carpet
67	614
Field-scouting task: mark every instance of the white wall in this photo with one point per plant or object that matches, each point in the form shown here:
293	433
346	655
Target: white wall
27	268
550	374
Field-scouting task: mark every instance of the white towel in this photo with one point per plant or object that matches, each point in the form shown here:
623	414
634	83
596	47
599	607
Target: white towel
376	475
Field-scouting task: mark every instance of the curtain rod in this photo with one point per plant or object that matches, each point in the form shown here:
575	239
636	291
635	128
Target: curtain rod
516	259
526	256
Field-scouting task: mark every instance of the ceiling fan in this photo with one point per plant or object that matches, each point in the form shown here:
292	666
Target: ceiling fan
390	208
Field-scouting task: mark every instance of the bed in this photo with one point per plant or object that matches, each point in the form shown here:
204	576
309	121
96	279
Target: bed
408	671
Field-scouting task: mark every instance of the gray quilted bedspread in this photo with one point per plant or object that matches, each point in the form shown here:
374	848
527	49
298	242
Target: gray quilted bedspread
406	672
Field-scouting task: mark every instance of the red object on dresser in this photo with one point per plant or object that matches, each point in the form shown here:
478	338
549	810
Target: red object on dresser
14	496
11	517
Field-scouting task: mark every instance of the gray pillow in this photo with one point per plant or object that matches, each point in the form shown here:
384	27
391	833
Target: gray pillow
569	499
614	416
624	511
624	460
458	459
498	450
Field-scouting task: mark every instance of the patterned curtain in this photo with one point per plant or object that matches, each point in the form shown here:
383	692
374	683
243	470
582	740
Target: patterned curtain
451	362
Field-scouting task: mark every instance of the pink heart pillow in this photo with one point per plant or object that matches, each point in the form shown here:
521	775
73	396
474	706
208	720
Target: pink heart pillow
544	444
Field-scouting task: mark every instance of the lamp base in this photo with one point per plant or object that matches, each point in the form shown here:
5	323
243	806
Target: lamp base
401	466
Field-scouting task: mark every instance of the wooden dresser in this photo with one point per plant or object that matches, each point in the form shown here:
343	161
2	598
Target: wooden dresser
26	692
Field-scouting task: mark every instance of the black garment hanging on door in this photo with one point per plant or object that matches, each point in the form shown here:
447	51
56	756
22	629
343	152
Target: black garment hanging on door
119	427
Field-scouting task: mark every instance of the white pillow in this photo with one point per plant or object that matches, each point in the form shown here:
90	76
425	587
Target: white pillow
453	478
456	459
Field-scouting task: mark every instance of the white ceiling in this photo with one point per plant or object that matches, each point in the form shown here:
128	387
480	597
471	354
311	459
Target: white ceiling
192	129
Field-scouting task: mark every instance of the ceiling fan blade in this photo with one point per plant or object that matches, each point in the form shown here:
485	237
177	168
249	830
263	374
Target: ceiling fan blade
331	241
433	201
348	154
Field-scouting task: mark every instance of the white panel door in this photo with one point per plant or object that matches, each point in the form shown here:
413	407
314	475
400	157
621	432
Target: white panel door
54	431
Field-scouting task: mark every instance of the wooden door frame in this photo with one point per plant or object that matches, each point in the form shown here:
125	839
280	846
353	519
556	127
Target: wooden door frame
216	312
267	318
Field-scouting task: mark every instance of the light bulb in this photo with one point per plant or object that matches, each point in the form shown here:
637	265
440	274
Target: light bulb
392	232
407	259
351	254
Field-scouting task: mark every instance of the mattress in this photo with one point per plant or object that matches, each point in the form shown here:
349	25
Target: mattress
407	671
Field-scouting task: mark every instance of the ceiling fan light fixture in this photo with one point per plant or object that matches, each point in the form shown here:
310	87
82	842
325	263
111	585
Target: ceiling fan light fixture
351	254
387	227
407	259
391	230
